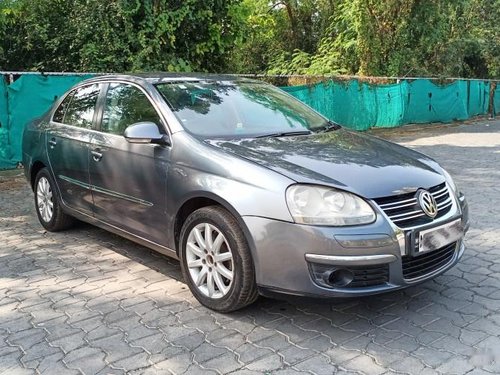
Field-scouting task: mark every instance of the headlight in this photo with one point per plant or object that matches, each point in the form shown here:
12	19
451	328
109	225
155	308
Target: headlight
327	206
450	182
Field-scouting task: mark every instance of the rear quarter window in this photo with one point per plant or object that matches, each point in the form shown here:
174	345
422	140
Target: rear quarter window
78	108
61	110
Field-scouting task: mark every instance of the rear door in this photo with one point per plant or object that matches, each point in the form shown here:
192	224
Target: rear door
129	181
68	137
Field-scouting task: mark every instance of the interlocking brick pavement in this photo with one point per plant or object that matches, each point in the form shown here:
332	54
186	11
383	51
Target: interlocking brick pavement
86	301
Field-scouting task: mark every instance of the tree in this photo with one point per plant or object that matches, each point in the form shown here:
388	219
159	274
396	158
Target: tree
120	35
274	30
486	32
459	38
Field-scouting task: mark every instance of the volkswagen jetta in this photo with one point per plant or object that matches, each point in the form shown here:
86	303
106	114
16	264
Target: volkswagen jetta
252	190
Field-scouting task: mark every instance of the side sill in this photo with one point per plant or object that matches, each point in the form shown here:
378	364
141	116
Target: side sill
122	233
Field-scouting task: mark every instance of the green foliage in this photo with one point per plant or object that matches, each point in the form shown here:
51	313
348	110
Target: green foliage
119	35
398	38
367	37
486	35
261	31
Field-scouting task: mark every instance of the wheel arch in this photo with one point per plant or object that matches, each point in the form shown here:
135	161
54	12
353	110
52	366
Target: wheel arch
198	200
35	168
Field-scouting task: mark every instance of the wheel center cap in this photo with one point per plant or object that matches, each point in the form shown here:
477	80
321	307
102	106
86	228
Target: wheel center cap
210	260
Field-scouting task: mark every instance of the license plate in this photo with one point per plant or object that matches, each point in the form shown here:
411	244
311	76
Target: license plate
436	238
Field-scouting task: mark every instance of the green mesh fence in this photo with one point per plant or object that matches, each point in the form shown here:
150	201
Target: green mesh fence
428	102
354	104
478	97
362	106
496	100
5	150
29	97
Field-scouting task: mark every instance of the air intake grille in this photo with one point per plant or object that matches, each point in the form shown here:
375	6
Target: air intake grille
405	212
369	276
423	264
362	276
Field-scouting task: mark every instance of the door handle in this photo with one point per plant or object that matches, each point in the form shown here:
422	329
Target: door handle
52	142
96	155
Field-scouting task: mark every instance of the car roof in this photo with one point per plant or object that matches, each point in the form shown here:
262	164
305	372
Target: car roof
158	77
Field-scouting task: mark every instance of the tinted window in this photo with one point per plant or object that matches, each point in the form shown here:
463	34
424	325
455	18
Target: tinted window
126	105
81	109
237	109
61	110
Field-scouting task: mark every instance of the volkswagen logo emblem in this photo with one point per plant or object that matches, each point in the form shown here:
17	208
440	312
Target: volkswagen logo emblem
428	204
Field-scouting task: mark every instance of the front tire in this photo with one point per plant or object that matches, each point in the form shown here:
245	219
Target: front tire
215	260
48	208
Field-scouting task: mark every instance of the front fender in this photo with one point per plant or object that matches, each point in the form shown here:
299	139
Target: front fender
242	187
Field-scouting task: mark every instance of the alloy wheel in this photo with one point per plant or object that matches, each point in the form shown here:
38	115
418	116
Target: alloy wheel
45	199
209	260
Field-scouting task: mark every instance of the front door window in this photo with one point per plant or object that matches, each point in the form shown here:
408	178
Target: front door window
126	105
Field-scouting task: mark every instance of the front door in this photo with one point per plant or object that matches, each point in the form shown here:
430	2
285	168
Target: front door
129	180
68	137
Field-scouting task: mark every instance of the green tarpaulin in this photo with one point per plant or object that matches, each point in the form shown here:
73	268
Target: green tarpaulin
31	96
362	106
354	104
5	150
496	100
479	97
428	102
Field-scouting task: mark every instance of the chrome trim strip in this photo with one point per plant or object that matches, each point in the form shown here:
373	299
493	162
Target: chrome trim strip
385	205
351	260
401	206
105	191
121	196
406	215
408	218
437	196
445	207
440	191
444	203
75	182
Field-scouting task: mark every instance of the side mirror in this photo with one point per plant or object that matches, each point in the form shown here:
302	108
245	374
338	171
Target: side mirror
145	132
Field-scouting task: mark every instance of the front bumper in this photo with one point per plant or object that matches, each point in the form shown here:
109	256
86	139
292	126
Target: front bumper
346	261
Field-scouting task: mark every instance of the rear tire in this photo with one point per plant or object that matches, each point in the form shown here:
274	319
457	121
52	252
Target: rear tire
47	204
216	261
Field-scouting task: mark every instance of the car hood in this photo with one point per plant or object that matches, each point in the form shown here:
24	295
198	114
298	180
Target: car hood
362	164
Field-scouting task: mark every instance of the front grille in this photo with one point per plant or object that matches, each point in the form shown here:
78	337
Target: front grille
423	264
405	212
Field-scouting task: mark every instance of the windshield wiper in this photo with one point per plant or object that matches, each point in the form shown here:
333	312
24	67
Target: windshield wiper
285	134
329	126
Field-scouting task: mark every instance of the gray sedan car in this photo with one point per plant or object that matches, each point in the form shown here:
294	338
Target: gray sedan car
253	191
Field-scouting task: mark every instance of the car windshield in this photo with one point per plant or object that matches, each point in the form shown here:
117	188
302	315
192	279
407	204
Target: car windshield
234	109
